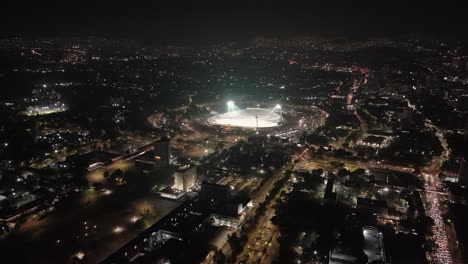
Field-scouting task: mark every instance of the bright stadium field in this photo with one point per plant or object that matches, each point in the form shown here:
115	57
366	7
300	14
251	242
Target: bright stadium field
247	118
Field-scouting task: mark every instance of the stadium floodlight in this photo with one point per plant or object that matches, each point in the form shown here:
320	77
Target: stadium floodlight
230	106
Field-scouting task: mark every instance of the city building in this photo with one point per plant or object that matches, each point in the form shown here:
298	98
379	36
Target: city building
185	235
463	173
379	207
171	193
339	256
372	247
91	160
185	177
375	141
162	152
214	195
329	196
222	200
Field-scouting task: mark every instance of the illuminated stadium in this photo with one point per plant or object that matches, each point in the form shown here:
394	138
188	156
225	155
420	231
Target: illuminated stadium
248	118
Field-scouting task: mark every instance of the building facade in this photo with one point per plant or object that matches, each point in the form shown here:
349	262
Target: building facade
185	177
463	173
162	152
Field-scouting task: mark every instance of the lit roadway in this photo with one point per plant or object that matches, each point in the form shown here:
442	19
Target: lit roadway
261	239
444	250
257	198
257	248
325	162
432	194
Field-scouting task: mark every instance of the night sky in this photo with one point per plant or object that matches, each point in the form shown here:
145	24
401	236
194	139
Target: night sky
148	20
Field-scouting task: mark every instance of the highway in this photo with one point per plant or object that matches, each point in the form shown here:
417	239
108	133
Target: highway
264	221
257	248
443	252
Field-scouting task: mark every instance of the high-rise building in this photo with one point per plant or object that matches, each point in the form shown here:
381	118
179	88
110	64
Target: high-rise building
185	177
213	195
162	152
349	99
463	173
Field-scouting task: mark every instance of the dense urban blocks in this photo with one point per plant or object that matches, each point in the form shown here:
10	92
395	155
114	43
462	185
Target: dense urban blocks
125	152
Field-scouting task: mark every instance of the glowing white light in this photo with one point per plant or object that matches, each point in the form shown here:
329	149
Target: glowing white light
230	103
247	118
278	106
118	229
80	255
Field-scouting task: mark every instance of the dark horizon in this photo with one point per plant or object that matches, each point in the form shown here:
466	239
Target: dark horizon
195	23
